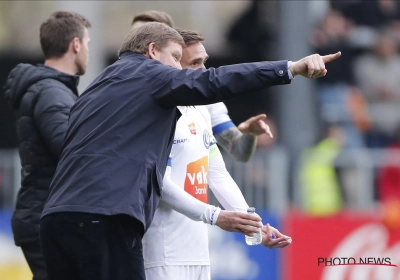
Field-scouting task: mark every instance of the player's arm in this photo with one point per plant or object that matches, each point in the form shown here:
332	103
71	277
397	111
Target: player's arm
239	145
229	195
240	142
184	203
222	185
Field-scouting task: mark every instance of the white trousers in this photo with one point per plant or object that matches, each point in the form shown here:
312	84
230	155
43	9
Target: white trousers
179	272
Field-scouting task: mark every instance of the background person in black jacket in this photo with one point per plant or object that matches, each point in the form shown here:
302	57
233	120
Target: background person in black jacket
41	97
109	178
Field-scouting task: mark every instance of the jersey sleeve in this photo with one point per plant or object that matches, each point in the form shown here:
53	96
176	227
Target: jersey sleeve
220	119
182	202
222	185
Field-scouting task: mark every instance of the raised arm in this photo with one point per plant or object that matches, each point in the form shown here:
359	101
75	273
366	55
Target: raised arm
239	142
173	87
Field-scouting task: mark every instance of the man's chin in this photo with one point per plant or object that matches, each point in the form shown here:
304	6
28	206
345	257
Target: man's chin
81	72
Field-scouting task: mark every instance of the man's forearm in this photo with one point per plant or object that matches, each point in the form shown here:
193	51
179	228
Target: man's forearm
239	145
170	86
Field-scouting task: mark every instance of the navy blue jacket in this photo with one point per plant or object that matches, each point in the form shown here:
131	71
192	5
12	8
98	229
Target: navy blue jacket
121	129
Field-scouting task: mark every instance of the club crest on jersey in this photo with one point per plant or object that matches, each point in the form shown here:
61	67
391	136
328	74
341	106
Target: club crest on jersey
208	139
192	128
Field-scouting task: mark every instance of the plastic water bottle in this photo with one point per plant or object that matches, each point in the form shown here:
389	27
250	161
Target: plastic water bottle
257	237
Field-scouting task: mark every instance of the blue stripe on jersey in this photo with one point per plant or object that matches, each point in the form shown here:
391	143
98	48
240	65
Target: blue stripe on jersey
169	163
213	141
222	127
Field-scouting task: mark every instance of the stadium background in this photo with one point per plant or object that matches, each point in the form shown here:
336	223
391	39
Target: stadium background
331	198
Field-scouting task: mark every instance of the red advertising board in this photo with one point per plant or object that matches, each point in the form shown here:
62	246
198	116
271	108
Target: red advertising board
347	246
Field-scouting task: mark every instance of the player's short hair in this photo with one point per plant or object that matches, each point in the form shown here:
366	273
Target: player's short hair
57	32
138	39
154	16
190	36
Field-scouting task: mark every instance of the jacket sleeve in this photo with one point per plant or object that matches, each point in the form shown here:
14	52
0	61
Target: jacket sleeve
51	115
173	87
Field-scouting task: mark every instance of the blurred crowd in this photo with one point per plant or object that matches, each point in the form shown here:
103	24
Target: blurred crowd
358	101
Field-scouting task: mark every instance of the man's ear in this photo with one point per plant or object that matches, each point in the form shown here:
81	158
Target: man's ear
151	51
75	45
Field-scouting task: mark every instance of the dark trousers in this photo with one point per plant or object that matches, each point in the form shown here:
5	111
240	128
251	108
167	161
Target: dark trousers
34	257
82	246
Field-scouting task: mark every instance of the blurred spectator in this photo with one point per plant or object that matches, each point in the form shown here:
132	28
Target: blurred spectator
250	35
369	17
321	189
336	93
372	13
377	73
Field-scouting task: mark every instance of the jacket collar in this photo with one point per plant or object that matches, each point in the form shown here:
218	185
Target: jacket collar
71	81
132	55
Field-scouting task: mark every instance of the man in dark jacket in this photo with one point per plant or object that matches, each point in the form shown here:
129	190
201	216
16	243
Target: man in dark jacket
108	181
239	142
41	97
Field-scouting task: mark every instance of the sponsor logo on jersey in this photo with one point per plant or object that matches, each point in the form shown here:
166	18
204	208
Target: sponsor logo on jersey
181	141
208	139
192	128
196	179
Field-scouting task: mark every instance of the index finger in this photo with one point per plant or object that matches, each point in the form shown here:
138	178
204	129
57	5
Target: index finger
258	117
266	128
277	242
249	219
282	244
331	57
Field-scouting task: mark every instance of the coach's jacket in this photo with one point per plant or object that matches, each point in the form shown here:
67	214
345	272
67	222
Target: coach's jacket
41	98
121	130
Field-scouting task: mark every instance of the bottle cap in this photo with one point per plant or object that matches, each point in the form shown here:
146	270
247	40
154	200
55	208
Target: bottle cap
251	210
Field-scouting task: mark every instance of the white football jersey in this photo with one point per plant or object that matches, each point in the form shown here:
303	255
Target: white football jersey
172	238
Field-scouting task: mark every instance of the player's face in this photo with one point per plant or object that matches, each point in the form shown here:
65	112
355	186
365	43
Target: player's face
83	55
170	55
194	56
